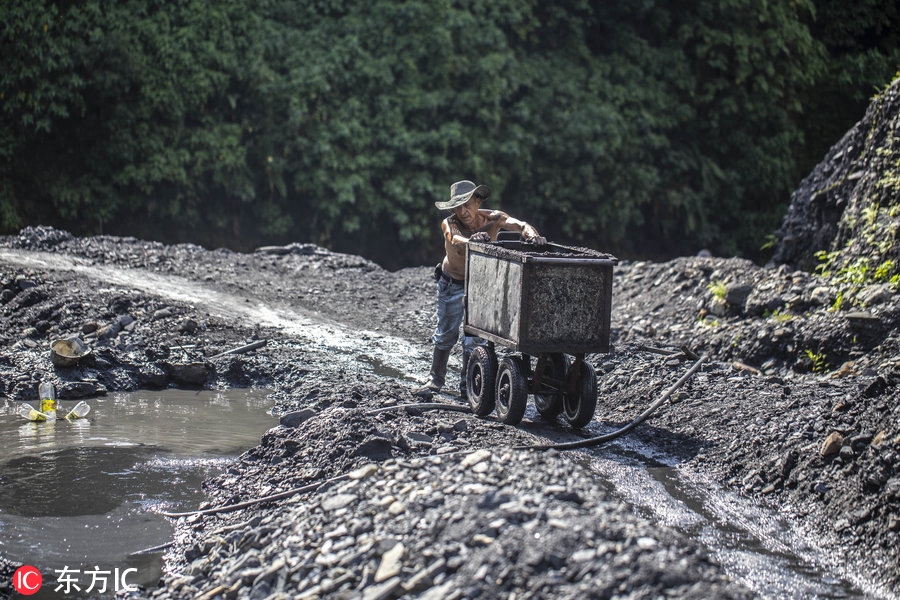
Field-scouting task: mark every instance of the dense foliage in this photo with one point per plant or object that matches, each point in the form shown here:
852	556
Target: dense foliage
643	128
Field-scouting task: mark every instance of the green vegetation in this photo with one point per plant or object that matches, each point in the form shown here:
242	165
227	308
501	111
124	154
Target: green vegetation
706	321
838	303
887	272
778	316
853	276
611	125
819	362
859	272
718	289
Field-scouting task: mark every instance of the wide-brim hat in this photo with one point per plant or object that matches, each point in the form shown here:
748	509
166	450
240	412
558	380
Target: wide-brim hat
460	192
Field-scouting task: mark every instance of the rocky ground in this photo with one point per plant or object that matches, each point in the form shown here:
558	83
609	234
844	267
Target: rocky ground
441	504
355	495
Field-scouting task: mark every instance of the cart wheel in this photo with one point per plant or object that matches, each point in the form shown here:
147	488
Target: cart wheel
549	402
512	391
580	405
481	373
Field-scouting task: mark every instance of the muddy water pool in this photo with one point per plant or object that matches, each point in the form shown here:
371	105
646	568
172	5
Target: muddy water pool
82	495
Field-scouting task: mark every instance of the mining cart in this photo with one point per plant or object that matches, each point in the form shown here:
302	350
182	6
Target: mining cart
549	306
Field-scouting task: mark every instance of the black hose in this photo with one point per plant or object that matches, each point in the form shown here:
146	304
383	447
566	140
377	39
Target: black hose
313	486
153	550
422	406
277	496
596	441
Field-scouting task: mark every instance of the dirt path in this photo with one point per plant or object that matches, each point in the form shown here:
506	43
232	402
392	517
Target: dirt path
313	331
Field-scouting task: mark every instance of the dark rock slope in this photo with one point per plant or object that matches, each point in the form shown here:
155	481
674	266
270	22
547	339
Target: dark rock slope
844	214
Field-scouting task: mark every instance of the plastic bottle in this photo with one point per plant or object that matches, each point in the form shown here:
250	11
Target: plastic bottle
27	411
47	394
78	411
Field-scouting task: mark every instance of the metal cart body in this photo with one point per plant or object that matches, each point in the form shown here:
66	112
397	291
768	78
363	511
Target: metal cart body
549	303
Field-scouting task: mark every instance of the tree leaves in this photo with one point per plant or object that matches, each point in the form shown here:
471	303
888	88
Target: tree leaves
641	128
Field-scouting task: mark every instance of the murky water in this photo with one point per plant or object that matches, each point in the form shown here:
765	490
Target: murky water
80	496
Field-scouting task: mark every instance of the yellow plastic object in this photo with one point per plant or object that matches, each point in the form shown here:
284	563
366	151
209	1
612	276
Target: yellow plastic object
29	412
78	411
47	394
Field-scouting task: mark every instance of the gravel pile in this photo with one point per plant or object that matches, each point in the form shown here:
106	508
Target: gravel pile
755	419
478	524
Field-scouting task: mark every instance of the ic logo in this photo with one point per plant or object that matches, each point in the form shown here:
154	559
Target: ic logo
27	580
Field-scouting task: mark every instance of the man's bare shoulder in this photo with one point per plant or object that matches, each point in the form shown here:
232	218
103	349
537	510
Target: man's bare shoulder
493	215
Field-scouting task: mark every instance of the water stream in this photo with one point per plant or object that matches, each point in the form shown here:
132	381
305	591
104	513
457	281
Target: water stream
77	499
757	547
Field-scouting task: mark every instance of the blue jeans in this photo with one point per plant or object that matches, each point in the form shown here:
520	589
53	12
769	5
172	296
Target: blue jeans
450	316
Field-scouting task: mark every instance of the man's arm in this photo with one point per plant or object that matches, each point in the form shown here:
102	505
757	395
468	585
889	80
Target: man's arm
452	234
528	232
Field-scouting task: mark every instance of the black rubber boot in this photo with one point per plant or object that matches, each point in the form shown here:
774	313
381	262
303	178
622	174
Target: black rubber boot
438	375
